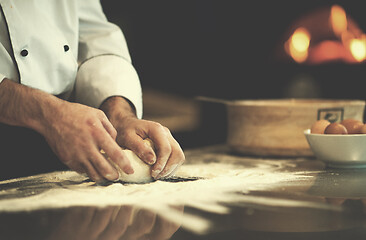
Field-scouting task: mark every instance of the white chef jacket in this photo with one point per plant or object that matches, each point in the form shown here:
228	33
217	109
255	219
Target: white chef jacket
66	48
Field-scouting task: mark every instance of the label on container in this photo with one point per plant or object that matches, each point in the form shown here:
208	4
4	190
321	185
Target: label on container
331	114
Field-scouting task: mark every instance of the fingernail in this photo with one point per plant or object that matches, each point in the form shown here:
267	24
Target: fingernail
149	158
152	160
111	177
128	170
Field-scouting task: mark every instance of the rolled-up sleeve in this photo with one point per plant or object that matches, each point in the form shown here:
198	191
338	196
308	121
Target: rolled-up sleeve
105	65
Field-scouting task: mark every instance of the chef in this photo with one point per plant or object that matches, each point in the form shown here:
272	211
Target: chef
66	79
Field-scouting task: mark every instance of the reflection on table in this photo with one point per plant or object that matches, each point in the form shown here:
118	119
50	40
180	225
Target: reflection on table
92	223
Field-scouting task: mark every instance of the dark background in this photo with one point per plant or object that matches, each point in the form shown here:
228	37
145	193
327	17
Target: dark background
225	48
216	48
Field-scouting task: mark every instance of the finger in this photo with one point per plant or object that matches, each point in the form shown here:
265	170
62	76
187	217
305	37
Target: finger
76	166
109	128
103	167
72	215
116	155
170	171
118	225
101	220
163	229
143	150
142	224
113	152
159	135
175	160
91	171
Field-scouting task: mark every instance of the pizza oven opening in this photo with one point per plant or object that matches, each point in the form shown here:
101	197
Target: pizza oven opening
322	55
327	34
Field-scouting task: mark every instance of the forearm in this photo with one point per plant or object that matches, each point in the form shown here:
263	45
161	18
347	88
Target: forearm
117	108
24	106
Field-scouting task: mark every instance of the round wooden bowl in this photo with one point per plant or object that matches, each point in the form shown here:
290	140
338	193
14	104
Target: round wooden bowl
275	127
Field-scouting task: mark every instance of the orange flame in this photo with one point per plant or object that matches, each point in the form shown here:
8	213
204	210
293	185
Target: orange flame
298	45
338	19
358	48
345	41
356	45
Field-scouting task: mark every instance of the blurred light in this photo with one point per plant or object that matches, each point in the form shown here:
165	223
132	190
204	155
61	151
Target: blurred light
298	45
358	49
338	19
341	40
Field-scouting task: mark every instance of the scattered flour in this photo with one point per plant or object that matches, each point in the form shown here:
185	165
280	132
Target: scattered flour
217	184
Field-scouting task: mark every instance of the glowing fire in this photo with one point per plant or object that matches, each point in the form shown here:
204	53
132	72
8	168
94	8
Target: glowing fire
298	45
338	19
348	42
358	49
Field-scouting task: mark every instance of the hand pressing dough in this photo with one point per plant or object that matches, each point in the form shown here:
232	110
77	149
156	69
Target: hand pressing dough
142	171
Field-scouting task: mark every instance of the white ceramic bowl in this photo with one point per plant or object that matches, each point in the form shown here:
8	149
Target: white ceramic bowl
343	151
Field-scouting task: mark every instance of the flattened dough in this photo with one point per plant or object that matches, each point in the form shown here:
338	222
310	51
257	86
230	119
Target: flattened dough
142	171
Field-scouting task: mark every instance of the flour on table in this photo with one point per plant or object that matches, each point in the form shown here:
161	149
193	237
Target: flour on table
217	184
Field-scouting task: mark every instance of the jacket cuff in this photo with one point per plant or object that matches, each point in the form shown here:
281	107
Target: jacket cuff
105	76
1	77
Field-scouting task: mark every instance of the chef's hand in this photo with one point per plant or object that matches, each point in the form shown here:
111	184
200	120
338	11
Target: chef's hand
77	133
131	132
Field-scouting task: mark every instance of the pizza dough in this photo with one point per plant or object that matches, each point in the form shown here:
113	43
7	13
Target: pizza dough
142	171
